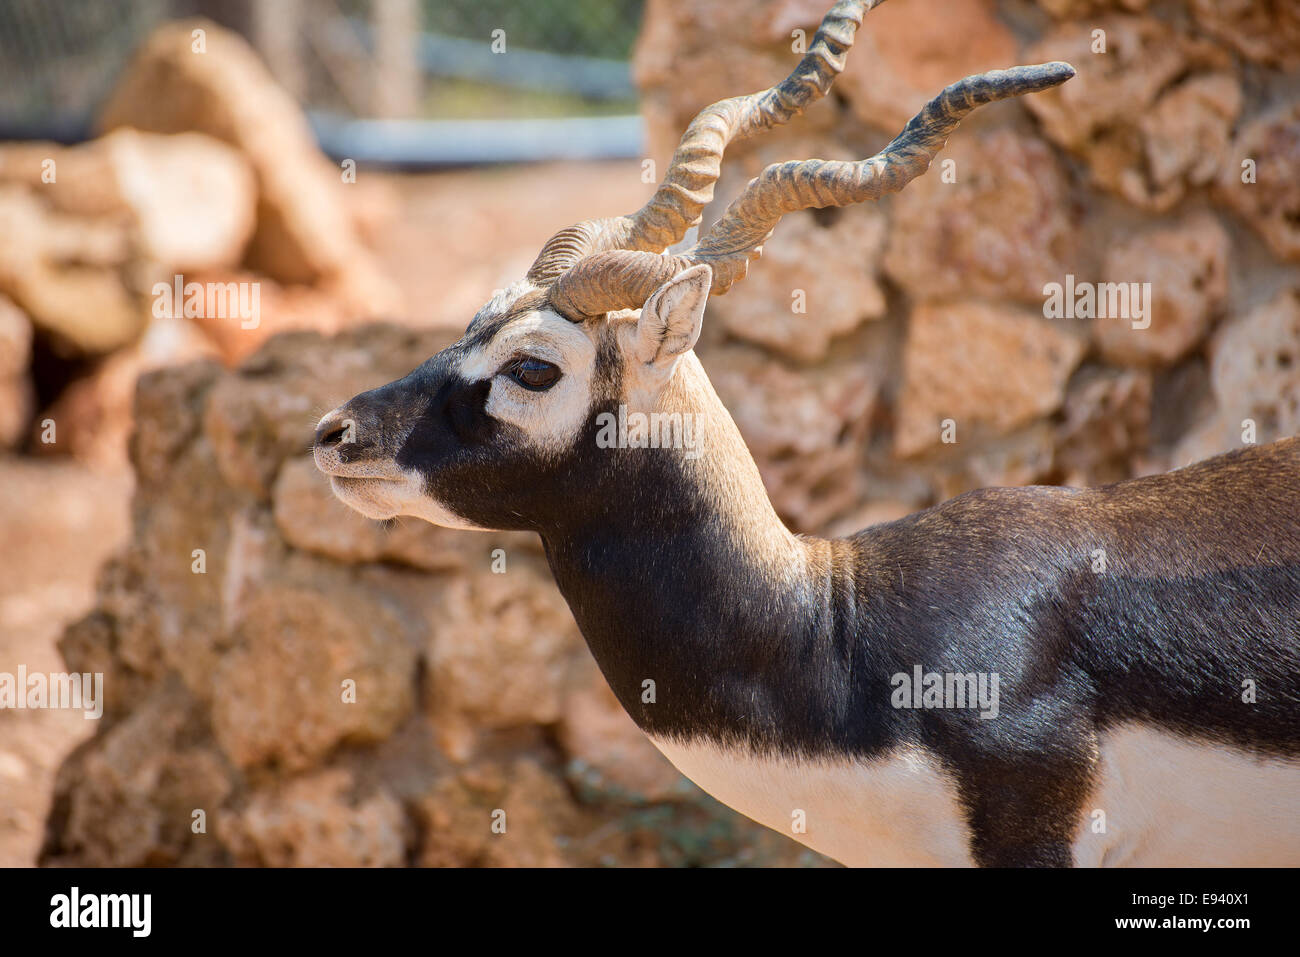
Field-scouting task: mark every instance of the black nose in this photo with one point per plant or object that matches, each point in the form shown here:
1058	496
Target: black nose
333	431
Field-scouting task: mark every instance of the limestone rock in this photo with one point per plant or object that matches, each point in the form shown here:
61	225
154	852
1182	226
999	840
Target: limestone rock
15	340
1023	457
309	516
607	751
1135	61
192	197
316	821
529	808
1263	31
282	693
1151	113
1270	204
1187	267
1255	375
955	364
15	389
807	429
37	230
682	40
906	54
130	801
170	401
873	513
15	409
1003	229
1067	9
1105	424
1256	358
256	420
833	297
75	180
92	416
516	616
67	274
250	309
1183	141
305	232
81	248
85	307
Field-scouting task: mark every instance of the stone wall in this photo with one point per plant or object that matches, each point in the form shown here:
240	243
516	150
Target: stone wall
328	691
927	309
204	169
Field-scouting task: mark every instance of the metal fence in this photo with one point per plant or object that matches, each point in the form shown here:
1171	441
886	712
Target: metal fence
57	60
376	76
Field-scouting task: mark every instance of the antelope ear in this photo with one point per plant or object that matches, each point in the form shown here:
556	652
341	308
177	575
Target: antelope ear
671	318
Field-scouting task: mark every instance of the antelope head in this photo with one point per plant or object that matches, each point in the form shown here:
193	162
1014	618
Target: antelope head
510	427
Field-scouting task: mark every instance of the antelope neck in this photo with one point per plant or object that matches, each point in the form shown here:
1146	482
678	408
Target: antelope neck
708	618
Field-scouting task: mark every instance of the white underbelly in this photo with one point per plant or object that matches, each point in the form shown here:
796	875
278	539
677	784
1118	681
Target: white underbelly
1166	802
898	812
1170	802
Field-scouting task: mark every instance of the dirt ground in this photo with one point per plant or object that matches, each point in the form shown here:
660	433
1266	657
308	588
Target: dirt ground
453	238
58	522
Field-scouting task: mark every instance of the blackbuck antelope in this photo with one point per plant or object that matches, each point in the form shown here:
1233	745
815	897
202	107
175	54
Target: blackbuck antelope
962	686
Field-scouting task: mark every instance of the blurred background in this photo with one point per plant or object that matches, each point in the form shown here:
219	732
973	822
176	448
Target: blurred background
373	170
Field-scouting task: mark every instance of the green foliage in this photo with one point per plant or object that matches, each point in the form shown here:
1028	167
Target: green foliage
597	28
466	99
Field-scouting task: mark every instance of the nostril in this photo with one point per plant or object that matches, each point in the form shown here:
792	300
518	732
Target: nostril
333	431
333	437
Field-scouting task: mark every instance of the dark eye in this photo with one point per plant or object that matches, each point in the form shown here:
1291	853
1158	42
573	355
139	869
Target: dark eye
533	374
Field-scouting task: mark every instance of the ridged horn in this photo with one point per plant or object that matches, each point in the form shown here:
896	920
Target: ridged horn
687	187
623	279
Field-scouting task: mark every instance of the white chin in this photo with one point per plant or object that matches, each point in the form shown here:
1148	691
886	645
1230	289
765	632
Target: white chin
382	499
435	514
359	495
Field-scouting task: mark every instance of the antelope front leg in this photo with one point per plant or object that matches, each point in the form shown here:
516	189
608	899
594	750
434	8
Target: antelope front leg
1025	807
